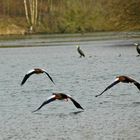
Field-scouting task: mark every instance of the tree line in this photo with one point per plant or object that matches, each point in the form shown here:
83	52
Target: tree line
72	15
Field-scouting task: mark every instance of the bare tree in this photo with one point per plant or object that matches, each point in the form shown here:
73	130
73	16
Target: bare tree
26	12
31	12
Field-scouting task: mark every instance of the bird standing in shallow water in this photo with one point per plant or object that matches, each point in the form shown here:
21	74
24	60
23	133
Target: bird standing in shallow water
35	71
137	48
123	79
59	96
80	51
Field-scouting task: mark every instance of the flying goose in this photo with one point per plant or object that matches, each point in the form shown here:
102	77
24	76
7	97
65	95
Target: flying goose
59	96
123	79
35	71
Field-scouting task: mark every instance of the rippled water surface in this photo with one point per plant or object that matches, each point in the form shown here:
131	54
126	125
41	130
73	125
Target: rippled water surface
113	116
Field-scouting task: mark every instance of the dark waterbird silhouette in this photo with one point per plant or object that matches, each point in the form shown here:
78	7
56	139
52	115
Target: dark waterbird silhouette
137	48
80	51
35	71
123	79
59	96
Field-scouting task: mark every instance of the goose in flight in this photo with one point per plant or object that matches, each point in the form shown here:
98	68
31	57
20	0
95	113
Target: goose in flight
59	96
123	79
34	71
137	48
80	51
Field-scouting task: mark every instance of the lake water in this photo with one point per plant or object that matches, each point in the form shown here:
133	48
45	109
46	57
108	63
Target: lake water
113	116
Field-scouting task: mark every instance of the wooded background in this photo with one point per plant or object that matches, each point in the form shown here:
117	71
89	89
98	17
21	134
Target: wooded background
71	16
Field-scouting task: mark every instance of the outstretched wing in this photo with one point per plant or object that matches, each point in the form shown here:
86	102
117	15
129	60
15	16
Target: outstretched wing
49	76
29	73
50	99
75	102
131	80
111	85
137	84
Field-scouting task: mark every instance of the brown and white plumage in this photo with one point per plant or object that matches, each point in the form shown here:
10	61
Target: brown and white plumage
35	71
80	51
59	96
123	79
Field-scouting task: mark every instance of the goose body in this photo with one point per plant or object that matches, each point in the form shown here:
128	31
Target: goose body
123	79
35	71
59	96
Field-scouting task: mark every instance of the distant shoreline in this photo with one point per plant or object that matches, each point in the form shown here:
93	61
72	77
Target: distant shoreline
13	29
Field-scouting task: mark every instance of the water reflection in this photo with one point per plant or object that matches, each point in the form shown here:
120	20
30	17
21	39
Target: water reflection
76	112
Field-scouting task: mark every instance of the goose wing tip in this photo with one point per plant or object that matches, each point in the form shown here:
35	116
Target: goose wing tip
96	95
